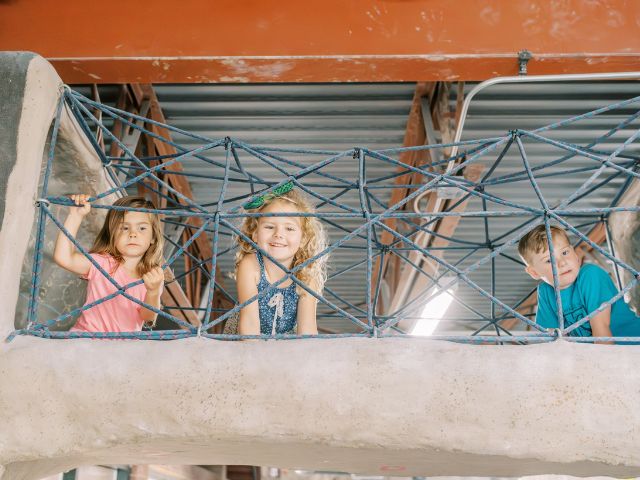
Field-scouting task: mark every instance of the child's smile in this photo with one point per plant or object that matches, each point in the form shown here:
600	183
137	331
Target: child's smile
280	237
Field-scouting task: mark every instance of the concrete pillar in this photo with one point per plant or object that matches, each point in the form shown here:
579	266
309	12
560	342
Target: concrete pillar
625	232
29	96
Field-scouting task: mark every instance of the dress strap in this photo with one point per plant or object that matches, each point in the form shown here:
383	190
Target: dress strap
263	273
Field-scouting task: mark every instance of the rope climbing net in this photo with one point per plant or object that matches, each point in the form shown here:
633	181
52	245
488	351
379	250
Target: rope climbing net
375	234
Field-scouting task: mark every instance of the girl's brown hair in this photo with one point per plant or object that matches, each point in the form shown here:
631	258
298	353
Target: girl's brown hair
105	242
314	241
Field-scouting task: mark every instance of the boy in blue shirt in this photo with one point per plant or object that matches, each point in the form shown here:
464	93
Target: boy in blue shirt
582	288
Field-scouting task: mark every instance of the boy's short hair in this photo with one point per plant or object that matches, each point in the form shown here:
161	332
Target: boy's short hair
535	241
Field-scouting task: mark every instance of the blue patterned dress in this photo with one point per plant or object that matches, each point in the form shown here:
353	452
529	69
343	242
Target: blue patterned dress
278	308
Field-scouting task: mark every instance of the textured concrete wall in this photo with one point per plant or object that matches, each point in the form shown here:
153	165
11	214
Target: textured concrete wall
28	94
28	97
13	71
76	168
358	405
625	231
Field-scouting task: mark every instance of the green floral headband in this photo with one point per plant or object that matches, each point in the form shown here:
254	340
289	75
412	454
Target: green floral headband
262	199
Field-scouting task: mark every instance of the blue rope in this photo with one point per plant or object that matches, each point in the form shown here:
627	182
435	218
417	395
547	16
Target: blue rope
372	212
37	261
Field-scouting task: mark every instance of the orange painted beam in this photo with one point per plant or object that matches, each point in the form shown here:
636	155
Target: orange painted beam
321	40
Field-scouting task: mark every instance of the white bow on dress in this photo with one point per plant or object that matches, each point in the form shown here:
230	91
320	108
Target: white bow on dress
277	300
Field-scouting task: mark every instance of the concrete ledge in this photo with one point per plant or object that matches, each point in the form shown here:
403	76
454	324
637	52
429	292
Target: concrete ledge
359	405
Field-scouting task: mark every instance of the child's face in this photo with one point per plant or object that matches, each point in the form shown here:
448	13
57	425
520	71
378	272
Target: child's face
134	235
567	263
280	237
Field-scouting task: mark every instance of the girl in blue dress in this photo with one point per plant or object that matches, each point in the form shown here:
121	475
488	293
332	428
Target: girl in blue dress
290	240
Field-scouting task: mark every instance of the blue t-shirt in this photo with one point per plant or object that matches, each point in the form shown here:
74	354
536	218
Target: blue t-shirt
592	288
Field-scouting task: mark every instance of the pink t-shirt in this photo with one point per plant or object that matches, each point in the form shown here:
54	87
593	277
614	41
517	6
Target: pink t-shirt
118	314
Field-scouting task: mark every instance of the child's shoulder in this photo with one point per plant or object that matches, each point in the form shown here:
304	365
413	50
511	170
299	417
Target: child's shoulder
103	258
593	277
248	265
590	270
105	261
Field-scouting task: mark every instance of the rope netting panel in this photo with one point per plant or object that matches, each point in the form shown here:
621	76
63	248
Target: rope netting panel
352	193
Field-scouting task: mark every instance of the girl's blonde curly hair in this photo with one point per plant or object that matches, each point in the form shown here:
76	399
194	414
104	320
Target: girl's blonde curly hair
314	241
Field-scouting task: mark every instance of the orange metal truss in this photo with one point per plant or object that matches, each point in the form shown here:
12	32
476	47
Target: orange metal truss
234	41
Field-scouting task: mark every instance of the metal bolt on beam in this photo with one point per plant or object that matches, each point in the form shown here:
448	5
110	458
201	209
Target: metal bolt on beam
523	59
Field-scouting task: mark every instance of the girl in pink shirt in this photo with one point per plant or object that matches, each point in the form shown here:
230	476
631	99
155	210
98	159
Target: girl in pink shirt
129	248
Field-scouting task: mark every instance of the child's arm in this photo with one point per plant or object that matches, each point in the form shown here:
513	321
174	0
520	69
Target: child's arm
601	324
307	324
247	285
65	253
546	314
596	287
154	282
